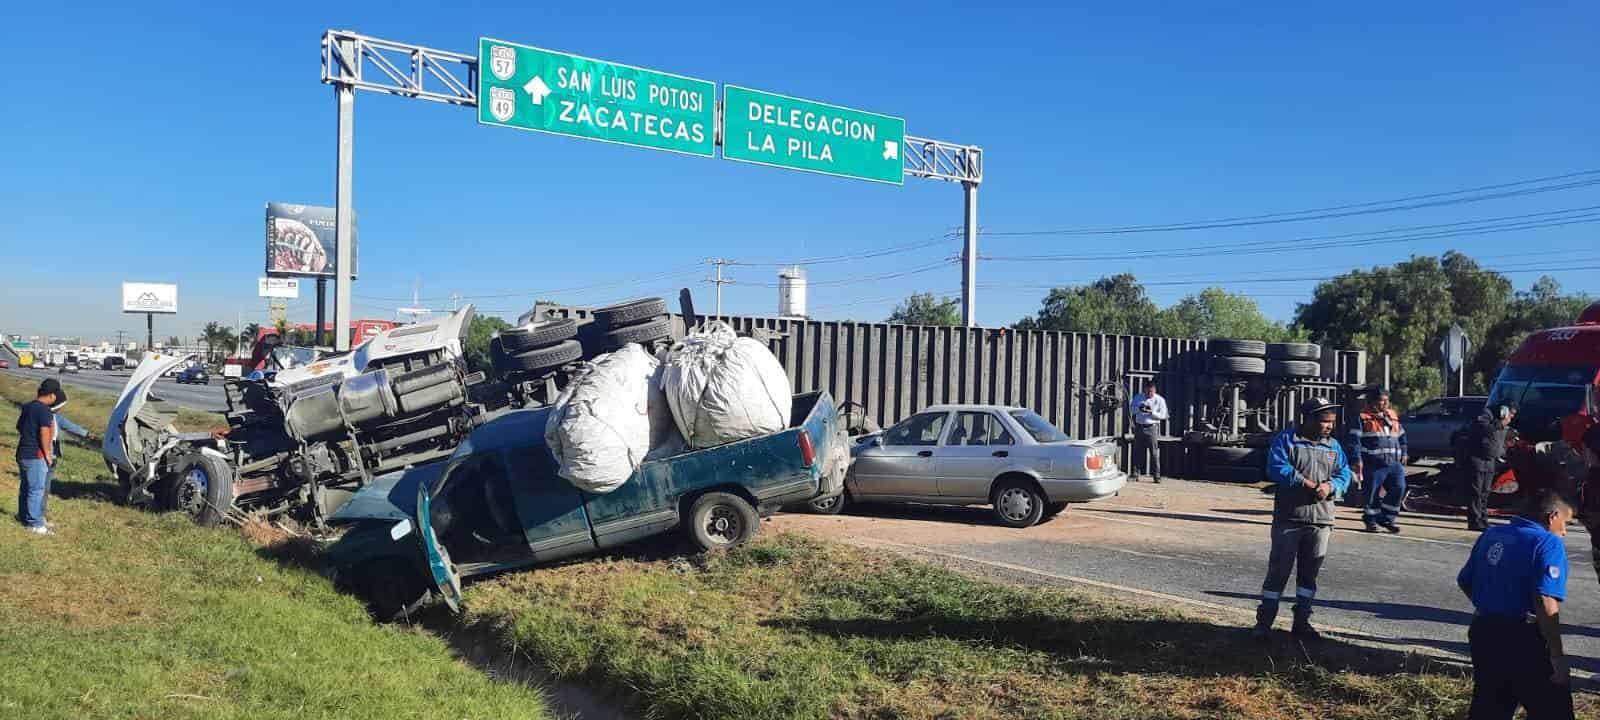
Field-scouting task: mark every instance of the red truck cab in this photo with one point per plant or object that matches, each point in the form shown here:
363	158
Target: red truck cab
1554	379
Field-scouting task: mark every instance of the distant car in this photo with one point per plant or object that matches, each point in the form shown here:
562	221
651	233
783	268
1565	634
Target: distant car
1432	427
194	375
5	363
114	362
1007	457
70	365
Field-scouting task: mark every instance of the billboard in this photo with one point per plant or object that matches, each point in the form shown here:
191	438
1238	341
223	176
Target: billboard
277	287
140	297
300	241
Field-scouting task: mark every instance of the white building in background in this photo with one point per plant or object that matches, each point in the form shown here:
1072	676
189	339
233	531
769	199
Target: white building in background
792	292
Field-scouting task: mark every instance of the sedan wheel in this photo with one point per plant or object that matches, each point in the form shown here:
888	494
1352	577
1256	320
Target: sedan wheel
1018	504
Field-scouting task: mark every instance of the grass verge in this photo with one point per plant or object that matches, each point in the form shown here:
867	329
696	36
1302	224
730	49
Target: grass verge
793	627
128	614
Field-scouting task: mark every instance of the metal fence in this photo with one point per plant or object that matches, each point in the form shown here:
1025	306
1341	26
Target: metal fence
897	370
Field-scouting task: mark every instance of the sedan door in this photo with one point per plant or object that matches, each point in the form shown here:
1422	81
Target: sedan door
1428	430
970	458
899	463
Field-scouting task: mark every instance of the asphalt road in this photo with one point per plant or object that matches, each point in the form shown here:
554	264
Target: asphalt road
210	398
1203	546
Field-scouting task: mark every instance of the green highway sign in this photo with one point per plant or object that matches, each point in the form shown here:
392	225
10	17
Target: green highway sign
771	129
534	89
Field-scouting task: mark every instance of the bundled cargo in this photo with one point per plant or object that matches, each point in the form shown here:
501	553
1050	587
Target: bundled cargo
722	388
599	428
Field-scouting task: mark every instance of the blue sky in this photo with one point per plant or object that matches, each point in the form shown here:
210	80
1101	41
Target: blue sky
141	144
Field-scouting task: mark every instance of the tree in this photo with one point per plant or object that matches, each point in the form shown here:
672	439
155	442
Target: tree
173	341
483	328
1116	304
1217	313
1542	306
248	336
1403	311
219	337
925	309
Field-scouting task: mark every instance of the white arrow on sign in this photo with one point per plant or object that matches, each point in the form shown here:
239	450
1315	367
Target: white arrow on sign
891	150
537	90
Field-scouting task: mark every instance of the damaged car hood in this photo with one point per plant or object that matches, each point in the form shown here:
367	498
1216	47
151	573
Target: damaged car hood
120	444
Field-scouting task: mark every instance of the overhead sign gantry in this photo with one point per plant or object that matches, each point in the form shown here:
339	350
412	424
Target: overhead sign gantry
530	88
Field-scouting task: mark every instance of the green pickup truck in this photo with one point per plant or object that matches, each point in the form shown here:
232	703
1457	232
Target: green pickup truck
497	504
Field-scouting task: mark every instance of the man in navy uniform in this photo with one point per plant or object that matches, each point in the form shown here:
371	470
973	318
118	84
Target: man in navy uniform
1517	578
1309	470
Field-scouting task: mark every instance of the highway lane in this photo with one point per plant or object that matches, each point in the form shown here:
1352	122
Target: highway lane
1204	546
210	398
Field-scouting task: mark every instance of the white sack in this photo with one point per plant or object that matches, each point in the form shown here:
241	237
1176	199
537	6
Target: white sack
599	427
723	388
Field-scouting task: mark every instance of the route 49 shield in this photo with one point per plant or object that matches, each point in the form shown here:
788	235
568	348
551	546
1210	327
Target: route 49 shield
502	103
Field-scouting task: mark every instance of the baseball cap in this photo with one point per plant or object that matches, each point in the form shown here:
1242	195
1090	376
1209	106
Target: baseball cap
1316	405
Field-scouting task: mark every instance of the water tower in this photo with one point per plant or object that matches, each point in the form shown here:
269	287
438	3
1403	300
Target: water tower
792	292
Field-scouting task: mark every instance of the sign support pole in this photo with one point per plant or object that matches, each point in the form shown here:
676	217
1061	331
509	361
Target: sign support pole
969	257
322	312
345	95
149	332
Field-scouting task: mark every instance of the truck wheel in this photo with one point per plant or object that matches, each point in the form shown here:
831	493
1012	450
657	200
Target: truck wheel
1017	503
1244	348
1293	368
545	358
829	506
660	329
201	489
537	335
1233	365
719	520
1294	351
629	313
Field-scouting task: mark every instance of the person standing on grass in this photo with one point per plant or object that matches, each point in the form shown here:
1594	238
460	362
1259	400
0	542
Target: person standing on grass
1516	578
1308	468
60	423
1377	444
1486	443
36	455
1148	410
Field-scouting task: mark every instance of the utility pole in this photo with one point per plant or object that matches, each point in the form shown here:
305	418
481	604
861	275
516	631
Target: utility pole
344	93
719	281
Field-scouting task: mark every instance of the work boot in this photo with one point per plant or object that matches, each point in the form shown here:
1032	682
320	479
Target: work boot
1371	526
1264	617
1393	528
1302	627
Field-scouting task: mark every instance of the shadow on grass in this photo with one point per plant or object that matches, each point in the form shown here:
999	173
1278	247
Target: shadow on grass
976	515
78	490
1176	647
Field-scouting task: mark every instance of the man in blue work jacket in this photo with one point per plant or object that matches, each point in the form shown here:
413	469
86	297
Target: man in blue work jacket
1309	469
1517	578
1376	443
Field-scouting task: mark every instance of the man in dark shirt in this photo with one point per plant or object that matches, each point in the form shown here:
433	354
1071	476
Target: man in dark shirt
1309	470
1486	443
1517	578
36	455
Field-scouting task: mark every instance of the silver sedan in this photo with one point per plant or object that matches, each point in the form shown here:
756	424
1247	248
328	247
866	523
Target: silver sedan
1007	457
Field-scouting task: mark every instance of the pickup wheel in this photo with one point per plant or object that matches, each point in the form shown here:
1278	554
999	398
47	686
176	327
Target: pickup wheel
1017	503
202	488
719	520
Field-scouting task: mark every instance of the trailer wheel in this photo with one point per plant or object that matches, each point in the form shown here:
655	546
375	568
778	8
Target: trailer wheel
629	313
1294	351
545	358
719	521
202	489
1293	368
659	329
537	335
1243	348
1233	365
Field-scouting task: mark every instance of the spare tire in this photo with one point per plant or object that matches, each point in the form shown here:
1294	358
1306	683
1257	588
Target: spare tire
1228	365
1294	351
629	313
546	358
1240	348
1294	368
537	335
643	333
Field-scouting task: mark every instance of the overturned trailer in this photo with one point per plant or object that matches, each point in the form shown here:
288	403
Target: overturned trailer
303	431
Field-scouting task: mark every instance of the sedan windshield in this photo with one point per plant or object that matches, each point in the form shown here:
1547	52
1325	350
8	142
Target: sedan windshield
1038	427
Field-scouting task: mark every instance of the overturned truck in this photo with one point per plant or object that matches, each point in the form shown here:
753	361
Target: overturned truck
304	432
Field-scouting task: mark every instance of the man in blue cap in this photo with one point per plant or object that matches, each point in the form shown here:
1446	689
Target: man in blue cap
1517	578
1309	470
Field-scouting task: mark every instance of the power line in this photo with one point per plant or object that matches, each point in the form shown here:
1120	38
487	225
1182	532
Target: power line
1486	226
679	272
859	278
1412	202
848	257
1275	280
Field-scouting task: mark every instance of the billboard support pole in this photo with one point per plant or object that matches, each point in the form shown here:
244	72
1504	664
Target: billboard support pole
149	332
345	94
322	318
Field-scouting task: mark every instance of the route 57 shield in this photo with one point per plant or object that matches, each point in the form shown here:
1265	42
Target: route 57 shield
502	103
